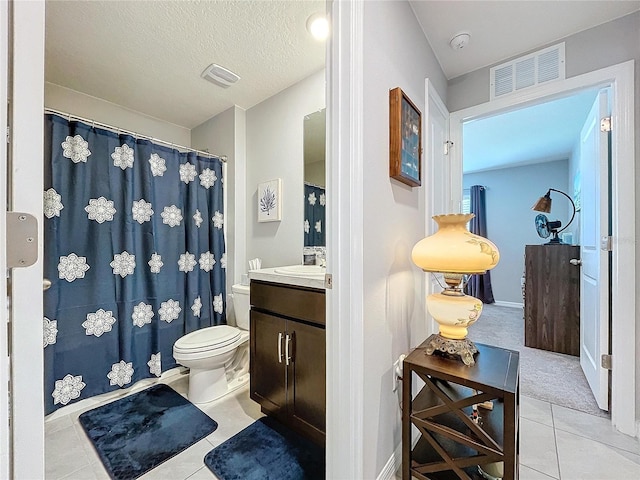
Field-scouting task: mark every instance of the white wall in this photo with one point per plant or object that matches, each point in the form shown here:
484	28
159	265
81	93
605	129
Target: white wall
224	134
275	150
396	54
70	101
510	221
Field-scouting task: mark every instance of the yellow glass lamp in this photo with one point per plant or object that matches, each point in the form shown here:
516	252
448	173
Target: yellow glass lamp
456	253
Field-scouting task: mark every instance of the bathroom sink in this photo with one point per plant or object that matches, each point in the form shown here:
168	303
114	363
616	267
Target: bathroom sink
302	270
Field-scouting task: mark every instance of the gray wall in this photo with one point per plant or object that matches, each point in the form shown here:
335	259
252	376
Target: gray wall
396	54
275	150
510	194
224	134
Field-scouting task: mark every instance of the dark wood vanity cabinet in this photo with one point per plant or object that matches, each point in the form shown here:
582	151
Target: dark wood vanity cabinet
287	355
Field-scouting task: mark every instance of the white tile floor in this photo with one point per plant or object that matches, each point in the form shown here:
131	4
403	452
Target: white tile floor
555	443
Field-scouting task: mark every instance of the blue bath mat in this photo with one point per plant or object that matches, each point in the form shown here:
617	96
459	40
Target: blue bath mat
266	450
137	433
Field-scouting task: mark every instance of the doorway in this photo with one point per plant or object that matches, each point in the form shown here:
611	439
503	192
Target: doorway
620	79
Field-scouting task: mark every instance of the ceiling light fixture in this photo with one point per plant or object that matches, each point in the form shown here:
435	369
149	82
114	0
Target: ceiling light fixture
318	26
219	75
459	41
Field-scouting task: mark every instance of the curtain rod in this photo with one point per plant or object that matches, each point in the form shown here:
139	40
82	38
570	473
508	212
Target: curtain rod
69	116
314	185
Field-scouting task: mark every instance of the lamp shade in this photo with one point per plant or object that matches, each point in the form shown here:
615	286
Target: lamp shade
543	204
454	249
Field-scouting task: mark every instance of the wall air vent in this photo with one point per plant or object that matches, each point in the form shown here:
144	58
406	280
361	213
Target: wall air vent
528	71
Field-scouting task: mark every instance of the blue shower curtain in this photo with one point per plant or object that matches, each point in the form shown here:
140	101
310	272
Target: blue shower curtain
134	247
314	216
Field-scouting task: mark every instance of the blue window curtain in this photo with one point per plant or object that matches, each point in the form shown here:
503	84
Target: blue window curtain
479	286
134	247
314	216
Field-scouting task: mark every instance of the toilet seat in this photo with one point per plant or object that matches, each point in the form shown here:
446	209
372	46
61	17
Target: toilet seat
207	339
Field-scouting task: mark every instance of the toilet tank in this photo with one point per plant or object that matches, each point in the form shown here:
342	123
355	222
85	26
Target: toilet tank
241	305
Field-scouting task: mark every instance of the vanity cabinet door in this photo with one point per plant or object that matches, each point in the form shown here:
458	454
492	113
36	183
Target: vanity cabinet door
267	368
306	392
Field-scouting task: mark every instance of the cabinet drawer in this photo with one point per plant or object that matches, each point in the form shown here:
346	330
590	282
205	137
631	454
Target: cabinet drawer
302	303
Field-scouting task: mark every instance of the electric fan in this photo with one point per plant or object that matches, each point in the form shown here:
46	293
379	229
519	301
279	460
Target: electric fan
545	228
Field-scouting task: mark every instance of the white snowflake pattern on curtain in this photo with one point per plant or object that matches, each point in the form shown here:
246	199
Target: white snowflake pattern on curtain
171	216
50	332
72	267
123	157
197	217
196	307
142	314
155	264
158	165
155	364
52	205
100	209
186	262
121	373
187	173
105	213
99	322
67	389
123	264
207	261
141	211
76	148
208	178
169	310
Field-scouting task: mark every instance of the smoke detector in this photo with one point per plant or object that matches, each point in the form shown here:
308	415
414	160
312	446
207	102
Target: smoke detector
219	75
459	41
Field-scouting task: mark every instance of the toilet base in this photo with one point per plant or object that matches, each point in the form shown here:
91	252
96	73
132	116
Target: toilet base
208	385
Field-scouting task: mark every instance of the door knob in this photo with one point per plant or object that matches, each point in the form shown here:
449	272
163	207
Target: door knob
575	261
46	284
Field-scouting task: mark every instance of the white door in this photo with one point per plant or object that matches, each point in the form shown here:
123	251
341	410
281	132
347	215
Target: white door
594	225
24	182
436	172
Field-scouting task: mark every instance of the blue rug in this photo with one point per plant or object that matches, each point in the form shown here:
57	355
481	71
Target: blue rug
266	450
137	433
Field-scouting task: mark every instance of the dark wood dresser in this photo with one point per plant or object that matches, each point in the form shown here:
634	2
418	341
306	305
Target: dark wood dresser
552	298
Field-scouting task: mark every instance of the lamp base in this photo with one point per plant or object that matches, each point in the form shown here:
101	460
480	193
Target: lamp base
464	348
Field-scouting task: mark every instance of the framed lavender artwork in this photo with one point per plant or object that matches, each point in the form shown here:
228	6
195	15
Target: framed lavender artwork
270	201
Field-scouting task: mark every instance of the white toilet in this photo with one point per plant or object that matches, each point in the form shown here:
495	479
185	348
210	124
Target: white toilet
217	357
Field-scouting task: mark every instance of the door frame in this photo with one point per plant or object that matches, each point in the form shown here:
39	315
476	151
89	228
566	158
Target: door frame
620	78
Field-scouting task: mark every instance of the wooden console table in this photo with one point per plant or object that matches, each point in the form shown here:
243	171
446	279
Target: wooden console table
451	444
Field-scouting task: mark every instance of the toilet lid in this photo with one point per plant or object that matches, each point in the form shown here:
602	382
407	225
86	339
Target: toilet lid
208	338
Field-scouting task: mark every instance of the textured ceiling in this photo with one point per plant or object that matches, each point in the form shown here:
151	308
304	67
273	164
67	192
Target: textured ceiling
148	55
502	29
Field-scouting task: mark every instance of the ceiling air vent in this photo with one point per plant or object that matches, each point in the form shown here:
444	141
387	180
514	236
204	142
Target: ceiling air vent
528	71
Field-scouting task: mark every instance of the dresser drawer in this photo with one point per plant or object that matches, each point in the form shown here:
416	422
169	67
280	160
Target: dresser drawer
301	303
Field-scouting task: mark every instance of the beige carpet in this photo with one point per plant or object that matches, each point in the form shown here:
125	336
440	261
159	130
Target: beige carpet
548	376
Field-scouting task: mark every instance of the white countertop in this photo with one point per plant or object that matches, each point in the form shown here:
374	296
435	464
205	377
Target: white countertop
271	275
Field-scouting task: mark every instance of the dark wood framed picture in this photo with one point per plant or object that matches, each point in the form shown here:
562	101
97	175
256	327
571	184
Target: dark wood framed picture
405	139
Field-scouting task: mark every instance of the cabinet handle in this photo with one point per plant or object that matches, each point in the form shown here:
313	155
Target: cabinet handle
279	347
287	342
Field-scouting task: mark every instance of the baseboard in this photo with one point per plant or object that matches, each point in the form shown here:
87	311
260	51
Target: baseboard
500	303
394	463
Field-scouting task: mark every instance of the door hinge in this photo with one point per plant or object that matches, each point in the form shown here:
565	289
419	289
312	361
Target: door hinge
328	281
448	145
22	240
605	361
606	243
605	124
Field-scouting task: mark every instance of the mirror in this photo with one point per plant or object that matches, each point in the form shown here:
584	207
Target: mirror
314	178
